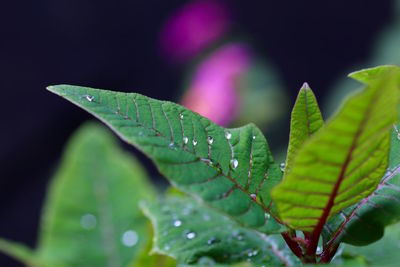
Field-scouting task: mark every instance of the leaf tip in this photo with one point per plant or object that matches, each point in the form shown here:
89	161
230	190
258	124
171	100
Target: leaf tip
305	86
56	89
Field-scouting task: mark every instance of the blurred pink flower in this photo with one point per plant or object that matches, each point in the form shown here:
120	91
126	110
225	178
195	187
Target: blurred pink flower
212	91
193	27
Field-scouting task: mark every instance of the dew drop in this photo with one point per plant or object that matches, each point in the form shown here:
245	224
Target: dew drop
228	135
253	196
130	238
267	216
252	253
194	142
171	145
185	140
282	166
237	235
398	136
88	221
177	223
190	235
234	163
212	241
319	250
210	140
89	98
206	217
181	116
254	137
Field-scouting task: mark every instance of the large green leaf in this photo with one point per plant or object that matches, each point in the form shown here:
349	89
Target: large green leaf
91	216
190	231
306	119
382	207
343	162
231	169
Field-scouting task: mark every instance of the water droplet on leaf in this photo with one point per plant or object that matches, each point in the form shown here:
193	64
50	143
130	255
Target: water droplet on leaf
190	235
253	196
88	221
130	238
89	98
234	163
267	216
181	116
177	223
282	166
185	140
228	135
254	137
212	240
206	217
210	140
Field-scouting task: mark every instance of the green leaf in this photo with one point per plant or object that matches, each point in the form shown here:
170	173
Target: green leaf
382	253
91	215
92	207
367	76
190	231
231	169
306	119
379	209
343	162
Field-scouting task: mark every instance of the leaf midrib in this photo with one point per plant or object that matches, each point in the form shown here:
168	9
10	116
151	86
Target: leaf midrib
360	205
322	220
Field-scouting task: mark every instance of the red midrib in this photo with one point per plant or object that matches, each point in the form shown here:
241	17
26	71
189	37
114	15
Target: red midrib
318	229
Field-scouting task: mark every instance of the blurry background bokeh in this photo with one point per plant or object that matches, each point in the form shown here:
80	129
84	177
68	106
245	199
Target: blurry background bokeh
233	61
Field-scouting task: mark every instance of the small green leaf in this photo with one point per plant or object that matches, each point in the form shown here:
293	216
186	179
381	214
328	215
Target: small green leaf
190	231
343	162
231	169
306	119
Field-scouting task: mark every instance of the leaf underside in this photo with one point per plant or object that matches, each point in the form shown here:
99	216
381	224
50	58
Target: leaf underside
231	169
364	222
306	119
189	231
343	162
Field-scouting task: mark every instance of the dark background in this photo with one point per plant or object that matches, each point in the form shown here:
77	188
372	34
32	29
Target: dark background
113	44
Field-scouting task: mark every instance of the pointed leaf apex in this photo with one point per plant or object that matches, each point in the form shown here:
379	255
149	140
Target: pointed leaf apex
305	86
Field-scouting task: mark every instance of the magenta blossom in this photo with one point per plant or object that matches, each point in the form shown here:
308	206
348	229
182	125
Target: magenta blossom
194	27
212	91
